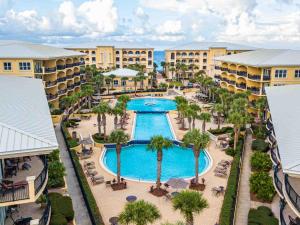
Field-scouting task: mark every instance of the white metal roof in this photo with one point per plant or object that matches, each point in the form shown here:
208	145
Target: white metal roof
26	50
285	111
264	58
25	120
123	72
121	45
207	45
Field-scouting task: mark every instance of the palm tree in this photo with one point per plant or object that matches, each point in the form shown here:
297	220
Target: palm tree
108	82
151	78
124	79
188	203
88	92
117	111
163	65
172	70
205	117
158	143
199	141
142	77
190	114
73	99
102	109
139	213
218	108
118	137
135	80
66	103
98	80
183	112
238	120
112	77
196	108
260	105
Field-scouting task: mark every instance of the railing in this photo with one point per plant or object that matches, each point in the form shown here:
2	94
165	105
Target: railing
232	71
77	84
266	77
282	206
41	178
254	77
50	83
274	156
277	181
46	214
70	87
82	63
217	76
50	69
254	90
61	79
61	67
70	76
231	82
241	85
14	194
224	69
76	64
269	125
69	65
293	196
83	81
38	70
61	92
242	73
77	74
51	97
217	68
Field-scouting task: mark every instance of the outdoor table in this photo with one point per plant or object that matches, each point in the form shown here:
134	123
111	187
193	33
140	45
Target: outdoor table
114	220
131	198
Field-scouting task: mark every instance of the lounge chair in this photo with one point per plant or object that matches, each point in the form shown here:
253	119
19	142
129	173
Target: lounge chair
168	197
97	180
85	156
225	161
108	183
91	173
220	170
98	177
218	174
90	167
88	163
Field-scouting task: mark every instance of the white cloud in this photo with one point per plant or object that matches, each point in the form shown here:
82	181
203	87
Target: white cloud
170	27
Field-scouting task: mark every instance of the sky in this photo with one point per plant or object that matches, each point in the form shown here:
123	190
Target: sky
158	23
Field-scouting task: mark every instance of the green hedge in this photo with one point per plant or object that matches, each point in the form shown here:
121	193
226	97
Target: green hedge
228	206
260	145
71	142
261	161
56	170
223	130
61	209
261	184
100	139
261	216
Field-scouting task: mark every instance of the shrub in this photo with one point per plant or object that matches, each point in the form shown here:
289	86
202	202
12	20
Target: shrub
56	112
261	161
99	139
56	173
260	145
58	219
70	141
230	151
223	130
259	132
61	205
261	216
261	184
53	156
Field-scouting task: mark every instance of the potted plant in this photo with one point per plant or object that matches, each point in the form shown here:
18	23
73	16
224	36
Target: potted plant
42	200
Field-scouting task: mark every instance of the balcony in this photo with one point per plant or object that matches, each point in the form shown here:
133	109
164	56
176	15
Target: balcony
61	67
82	63
70	77
217	77
269	125
254	77
77	74
76	64
23	185
292	188
241	85
50	69
49	84
274	155
232	71
266	78
70	65
77	84
278	178
83	81
231	82
217	68
61	92
254	90
51	97
224	69
38	70
242	73
70	87
61	79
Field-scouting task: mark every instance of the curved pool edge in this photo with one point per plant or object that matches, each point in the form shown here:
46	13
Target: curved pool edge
147	181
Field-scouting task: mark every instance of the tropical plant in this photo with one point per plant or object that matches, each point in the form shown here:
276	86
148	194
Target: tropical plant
152	76
158	143
205	117
124	79
189	203
56	173
172	70
199	141
108	81
118	137
196	108
261	184
141	77
135	81
117	111
102	109
261	161
123	100
218	108
260	105
112	77
88	92
98	81
139	213
260	145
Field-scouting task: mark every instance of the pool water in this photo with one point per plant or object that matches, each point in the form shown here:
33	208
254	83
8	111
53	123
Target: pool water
151	104
140	164
150	124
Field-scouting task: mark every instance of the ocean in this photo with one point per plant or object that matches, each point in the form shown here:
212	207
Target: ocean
159	56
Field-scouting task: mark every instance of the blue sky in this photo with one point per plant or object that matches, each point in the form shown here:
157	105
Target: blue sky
159	23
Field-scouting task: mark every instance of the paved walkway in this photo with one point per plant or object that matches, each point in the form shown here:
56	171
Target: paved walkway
81	213
244	202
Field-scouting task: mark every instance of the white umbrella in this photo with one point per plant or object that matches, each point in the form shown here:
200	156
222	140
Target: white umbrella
177	183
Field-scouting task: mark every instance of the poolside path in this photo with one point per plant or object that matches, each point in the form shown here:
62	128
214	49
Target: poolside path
244	202
81	213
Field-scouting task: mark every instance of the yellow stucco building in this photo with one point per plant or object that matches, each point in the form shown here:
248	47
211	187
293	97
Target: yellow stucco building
199	56
257	69
110	56
59	69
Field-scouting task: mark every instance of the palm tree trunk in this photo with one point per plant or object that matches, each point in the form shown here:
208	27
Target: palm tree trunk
135	89
99	124
193	123
190	123
203	126
104	124
108	89
158	171
90	102
190	220
219	121
196	155
115	121
235	138
182	123
118	149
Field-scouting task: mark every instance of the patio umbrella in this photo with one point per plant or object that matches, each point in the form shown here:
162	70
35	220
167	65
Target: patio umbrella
177	183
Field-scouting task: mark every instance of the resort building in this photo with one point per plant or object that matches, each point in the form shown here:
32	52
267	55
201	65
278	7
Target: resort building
110	56
198	56
26	137
61	70
283	126
253	71
124	79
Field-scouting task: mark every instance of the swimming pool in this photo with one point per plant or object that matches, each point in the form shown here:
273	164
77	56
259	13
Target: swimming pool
138	163
150	124
151	105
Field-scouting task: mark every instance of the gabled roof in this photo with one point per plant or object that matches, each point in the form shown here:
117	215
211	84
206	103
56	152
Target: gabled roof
201	45
26	50
25	120
264	58
123	72
284	106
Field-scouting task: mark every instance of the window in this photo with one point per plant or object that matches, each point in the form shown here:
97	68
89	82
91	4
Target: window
24	66
116	82
172	56
280	73
7	65
204	60
297	73
123	83
204	67
117	59
94	59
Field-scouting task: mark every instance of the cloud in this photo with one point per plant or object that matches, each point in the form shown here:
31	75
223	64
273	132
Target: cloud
170	27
